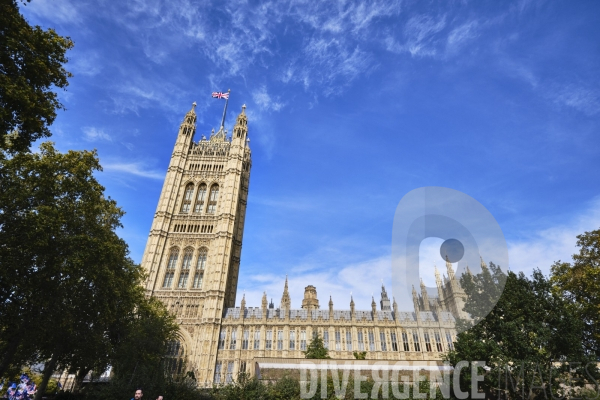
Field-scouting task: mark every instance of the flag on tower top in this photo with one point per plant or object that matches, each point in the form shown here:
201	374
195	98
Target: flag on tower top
220	95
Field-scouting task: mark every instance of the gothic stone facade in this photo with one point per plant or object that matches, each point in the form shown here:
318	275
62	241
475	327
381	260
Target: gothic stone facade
193	256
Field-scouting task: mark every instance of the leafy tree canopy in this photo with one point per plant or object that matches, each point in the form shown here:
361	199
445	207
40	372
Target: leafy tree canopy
31	66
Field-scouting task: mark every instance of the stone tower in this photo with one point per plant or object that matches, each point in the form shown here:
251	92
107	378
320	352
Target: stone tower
192	256
310	301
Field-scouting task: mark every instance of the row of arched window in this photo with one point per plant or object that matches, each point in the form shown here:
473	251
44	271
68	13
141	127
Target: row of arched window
189	273
202	203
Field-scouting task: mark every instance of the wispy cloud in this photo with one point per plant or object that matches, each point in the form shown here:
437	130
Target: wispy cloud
264	100
540	249
578	97
94	134
133	168
62	11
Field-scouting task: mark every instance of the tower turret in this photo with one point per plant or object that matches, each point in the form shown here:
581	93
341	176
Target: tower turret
385	301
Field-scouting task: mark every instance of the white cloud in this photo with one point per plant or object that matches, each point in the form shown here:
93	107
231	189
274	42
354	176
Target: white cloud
264	100
584	99
459	36
94	134
133	168
540	249
55	11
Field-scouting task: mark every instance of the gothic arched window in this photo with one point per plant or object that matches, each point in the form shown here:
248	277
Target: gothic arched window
174	358
187	198
200	198
212	200
172	263
185	269
199	273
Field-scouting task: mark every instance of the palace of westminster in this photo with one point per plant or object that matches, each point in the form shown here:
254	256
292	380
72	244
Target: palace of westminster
193	258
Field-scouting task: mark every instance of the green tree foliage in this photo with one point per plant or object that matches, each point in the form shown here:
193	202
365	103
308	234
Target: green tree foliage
316	349
31	65
529	328
360	355
579	282
69	294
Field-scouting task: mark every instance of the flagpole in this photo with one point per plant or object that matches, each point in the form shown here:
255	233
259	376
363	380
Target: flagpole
225	110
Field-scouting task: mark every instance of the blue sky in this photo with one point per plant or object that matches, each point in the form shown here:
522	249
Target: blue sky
351	105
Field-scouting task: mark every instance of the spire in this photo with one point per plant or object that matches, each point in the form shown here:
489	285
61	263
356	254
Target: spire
264	300
243	303
438	279
373	305
330	304
483	264
240	129
188	126
271	304
286	302
385	301
351	301
450	269
424	296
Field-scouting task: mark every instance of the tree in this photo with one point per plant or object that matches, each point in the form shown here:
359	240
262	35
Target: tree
579	282
316	349
31	65
69	293
529	328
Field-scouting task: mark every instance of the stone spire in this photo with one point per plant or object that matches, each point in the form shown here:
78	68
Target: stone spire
264	301
271	304
483	264
286	302
440	289
449	269
385	301
415	300
330	306
243	303
373	306
351	303
395	308
424	296
240	129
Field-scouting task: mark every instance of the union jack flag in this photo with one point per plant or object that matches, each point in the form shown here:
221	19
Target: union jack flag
220	95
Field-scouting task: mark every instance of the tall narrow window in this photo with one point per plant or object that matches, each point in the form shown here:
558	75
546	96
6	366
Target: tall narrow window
199	273
438	341
269	341
405	341
449	340
229	376
338	340
326	338
242	367
279	340
212	200
233	340
427	342
222	339
371	340
302	340
218	372
187	198
416	341
245	340
361	341
185	268
256	339
383	341
172	263
394	341
348	341
200	198
292	340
